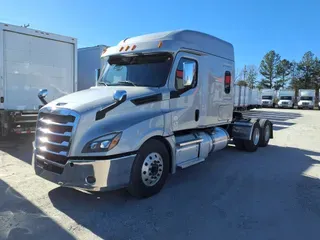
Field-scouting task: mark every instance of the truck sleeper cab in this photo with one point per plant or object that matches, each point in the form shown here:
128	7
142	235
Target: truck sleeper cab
163	101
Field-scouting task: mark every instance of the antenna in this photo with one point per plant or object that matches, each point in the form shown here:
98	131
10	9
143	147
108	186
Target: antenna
26	25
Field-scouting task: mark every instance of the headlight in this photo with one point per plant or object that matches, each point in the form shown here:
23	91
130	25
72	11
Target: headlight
102	144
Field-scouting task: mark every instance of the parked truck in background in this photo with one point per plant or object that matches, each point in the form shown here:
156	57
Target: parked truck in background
267	98
306	98
286	98
90	64
246	98
163	101
32	60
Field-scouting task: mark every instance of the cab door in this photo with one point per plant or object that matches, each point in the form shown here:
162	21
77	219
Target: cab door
185	94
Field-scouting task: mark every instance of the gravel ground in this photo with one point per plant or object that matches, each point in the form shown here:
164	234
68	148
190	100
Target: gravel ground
273	193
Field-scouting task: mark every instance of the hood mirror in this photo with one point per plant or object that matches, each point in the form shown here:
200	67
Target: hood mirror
120	95
42	95
97	74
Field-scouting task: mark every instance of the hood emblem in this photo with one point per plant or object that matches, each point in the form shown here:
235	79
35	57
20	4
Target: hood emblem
61	104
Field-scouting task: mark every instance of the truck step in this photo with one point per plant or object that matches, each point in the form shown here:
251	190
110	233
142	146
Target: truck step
189	163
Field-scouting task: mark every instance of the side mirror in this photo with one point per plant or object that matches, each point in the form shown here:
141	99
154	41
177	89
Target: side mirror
42	95
120	95
97	73
189	70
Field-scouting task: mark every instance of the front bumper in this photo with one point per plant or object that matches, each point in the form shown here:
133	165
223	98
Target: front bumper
305	106
264	104
109	174
285	105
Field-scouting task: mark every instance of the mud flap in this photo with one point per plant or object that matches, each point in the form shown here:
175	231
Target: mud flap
242	130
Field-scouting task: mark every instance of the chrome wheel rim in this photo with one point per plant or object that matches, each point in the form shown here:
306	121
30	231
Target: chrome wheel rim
267	133
152	169
256	136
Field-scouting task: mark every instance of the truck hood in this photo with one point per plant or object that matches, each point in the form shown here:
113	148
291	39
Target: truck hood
94	97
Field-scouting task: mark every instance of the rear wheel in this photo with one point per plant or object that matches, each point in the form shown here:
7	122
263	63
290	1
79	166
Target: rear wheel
150	169
239	144
253	144
266	128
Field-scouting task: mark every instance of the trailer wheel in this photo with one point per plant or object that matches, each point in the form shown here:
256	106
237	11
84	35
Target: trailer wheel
266	129
150	169
253	144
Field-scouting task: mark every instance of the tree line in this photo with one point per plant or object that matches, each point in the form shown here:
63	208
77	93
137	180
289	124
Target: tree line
280	73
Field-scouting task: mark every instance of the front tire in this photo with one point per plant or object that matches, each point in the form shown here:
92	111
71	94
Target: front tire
253	144
150	169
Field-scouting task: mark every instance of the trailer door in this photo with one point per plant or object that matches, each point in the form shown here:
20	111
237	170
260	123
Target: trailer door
32	63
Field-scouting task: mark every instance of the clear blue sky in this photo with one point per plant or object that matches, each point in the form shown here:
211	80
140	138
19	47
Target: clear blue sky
254	27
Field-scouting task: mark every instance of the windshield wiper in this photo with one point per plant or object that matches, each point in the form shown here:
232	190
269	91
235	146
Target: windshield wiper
127	81
102	83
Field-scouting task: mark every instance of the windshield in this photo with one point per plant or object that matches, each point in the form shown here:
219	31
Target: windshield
286	98
267	97
137	70
306	98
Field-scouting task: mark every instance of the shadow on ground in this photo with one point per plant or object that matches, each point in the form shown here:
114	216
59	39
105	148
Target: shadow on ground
19	147
20	219
233	195
278	118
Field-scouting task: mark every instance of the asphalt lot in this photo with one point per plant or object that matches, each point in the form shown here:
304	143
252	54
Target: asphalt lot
273	193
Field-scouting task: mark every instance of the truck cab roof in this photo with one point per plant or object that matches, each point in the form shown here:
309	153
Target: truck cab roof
173	41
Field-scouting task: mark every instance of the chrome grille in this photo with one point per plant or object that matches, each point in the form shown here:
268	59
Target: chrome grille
53	139
305	103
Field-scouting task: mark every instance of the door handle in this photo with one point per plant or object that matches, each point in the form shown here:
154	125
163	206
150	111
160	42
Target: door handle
196	115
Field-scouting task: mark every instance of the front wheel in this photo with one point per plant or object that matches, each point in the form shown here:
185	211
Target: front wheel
150	169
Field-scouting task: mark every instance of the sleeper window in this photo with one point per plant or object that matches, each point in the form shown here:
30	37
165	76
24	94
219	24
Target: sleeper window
227	82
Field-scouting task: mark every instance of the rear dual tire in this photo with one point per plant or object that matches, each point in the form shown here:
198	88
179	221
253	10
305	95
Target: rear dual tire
260	136
252	144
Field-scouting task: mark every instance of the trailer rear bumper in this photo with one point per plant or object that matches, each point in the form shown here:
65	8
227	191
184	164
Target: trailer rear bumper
91	175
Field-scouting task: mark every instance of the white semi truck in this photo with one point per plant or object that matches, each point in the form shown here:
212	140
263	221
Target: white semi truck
164	101
267	97
306	98
286	99
32	60
90	64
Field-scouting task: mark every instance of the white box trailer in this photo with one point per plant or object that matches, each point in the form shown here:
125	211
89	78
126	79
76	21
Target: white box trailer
90	64
286	98
32	60
236	94
255	98
246	98
306	98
